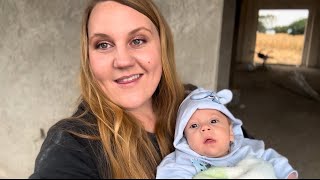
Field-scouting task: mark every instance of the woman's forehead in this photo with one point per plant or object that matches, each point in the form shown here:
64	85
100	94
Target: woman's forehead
112	17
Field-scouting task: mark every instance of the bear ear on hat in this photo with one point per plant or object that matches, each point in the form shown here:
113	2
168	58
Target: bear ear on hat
225	96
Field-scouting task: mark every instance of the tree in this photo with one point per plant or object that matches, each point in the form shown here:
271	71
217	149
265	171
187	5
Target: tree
281	29
267	21
261	27
297	27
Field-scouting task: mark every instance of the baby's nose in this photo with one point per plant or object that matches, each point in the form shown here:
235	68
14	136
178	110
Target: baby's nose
205	128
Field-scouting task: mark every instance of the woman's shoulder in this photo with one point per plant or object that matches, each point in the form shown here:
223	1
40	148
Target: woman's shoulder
68	132
81	122
79	127
65	153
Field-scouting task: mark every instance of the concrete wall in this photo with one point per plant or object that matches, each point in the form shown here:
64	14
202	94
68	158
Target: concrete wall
196	26
39	63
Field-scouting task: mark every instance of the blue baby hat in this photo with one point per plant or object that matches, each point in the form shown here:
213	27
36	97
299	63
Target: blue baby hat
205	99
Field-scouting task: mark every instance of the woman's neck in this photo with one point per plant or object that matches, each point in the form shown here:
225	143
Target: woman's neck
148	120
146	116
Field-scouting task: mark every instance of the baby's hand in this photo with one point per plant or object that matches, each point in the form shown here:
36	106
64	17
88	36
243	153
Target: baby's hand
293	175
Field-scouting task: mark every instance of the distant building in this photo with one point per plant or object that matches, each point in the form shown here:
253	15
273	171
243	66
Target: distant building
270	31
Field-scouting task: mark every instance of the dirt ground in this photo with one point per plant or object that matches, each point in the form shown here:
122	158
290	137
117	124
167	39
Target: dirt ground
281	105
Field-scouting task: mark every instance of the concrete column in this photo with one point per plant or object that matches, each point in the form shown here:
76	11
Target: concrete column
247	32
226	43
312	55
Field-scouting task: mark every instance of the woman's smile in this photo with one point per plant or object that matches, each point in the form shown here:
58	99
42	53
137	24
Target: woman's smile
129	79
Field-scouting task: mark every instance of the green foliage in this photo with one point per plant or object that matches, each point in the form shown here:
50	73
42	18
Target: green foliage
265	22
297	27
281	29
261	27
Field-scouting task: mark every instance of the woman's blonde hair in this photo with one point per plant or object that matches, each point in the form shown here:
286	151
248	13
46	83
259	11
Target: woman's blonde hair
127	146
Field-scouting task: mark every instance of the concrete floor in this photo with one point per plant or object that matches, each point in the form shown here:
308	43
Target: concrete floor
276	109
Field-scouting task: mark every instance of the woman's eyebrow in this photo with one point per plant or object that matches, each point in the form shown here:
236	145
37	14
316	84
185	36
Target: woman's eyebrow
106	36
140	29
99	35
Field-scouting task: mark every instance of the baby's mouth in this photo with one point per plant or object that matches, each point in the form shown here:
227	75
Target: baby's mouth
209	141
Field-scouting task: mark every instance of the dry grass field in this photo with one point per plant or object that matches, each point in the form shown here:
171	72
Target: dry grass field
283	48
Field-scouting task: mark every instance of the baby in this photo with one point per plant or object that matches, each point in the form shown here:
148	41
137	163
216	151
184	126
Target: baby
209	143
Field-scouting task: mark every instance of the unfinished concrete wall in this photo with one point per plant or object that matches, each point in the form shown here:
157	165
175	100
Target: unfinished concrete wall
39	57
39	62
196	26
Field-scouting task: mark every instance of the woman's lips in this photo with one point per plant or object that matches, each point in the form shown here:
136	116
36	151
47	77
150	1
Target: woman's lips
128	79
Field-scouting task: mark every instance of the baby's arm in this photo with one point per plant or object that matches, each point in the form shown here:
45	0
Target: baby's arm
280	163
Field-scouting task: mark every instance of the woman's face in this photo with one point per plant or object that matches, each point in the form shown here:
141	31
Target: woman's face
125	54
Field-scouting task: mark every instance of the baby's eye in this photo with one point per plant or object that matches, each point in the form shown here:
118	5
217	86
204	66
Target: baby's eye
194	126
213	121
103	45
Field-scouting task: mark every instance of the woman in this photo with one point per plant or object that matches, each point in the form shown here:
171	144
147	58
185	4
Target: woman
130	94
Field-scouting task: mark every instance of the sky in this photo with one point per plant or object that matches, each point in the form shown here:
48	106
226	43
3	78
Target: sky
285	17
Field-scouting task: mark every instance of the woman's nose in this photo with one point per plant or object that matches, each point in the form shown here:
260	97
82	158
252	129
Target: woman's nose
123	58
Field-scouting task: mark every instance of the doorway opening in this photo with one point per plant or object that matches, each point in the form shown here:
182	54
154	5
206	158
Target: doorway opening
280	36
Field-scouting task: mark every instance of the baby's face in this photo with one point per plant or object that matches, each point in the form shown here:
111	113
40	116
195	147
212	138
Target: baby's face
209	133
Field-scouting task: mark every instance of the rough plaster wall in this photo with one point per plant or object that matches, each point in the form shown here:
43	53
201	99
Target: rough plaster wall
39	63
196	25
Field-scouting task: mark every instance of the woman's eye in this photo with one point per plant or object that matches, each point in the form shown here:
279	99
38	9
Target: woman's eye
213	121
103	45
138	42
194	126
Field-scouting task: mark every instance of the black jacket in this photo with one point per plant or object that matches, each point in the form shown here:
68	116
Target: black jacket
64	155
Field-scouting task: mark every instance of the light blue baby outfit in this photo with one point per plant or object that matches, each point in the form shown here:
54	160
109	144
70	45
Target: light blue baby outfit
185	163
